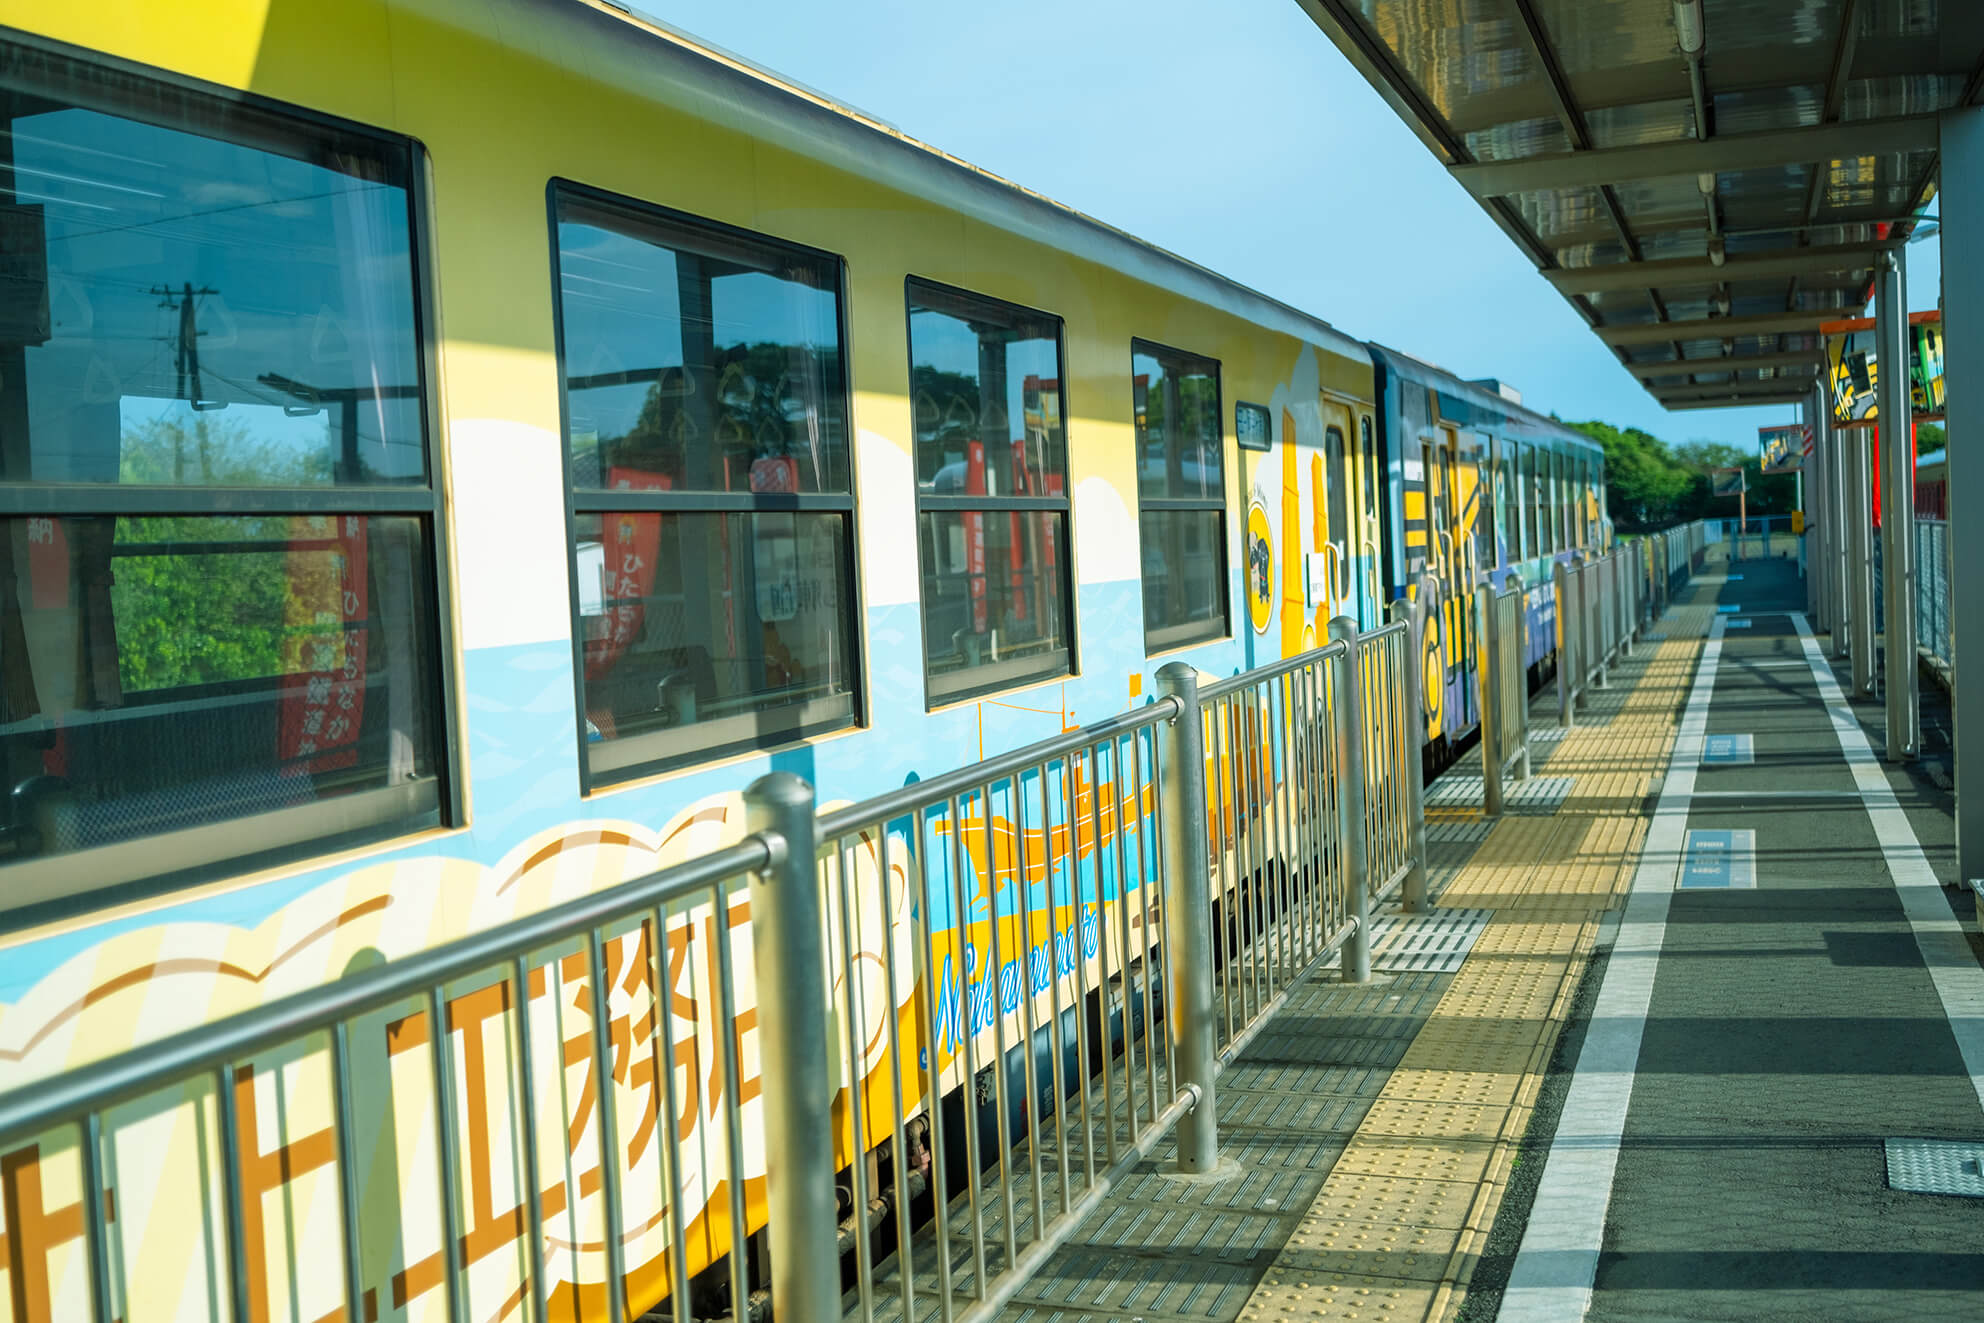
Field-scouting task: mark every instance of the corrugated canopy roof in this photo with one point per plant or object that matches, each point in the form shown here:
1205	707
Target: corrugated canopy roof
1705	180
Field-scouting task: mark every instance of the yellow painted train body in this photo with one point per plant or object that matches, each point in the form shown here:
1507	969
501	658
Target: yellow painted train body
508	111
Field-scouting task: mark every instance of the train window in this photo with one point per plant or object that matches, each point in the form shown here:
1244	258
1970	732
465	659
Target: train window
706	408
1536	477
1587	534
1253	426
991	491
1546	497
203	294
1181	495
1370	483
1561	469
1508	518
1480	469
1336	475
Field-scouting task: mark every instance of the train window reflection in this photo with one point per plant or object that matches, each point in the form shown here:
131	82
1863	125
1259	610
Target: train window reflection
168	673
1181	490
166	279
994	599
706	422
696	360
1184	564
702	631
201	293
992	492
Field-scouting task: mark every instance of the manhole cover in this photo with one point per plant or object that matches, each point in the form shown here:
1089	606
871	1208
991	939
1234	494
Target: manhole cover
1431	943
1936	1166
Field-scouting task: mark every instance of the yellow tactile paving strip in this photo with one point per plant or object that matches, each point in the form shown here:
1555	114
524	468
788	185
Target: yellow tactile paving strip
1397	1229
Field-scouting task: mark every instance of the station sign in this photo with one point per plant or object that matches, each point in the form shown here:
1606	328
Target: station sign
1853	369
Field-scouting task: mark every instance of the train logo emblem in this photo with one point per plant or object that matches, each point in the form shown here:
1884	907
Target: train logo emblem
1260	567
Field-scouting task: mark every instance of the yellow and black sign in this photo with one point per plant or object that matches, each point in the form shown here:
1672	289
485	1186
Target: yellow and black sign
1260	567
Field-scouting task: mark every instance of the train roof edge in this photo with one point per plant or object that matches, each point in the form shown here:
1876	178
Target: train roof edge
1466	403
674	68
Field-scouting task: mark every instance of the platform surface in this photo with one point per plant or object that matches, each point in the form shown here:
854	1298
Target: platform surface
1699	995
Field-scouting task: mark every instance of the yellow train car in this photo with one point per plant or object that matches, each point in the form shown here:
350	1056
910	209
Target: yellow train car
445	449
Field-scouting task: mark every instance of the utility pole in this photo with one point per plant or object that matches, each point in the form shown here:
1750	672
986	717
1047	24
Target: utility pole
185	360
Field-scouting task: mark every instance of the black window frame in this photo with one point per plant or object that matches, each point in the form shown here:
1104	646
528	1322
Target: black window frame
678	749
1001	677
1266	444
42	889
1172	637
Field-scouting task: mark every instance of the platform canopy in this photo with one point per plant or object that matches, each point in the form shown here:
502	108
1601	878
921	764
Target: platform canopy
1706	181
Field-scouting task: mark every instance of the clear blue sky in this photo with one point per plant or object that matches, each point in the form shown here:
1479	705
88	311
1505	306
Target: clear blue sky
1235	135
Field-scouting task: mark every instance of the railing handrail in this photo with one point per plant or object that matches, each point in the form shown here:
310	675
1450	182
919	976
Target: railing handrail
58	1100
1319	816
1235	683
921	794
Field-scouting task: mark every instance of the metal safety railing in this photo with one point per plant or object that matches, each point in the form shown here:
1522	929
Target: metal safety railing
875	1062
1389	763
327	1071
1601	610
1934	625
1754	537
1504	689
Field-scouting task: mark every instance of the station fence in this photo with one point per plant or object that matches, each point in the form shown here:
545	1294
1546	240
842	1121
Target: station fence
1603	602
973	1005
1934	624
1933	621
1504	690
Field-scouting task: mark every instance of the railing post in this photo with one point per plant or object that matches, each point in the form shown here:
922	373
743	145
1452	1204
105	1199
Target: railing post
1597	583
1490	671
1350	798
1560	577
1188	913
1628	614
1521	664
1661	569
789	957
1418	613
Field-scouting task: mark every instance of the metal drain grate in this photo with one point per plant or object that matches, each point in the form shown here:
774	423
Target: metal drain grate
1546	734
1539	794
1936	1166
1431	943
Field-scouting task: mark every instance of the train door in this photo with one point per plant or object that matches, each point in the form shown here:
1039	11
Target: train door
1507	550
1459	475
1444	551
1371	613
1433	649
1333	581
1480	472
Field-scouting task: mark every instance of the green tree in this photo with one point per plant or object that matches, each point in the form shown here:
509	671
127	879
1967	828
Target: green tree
1651	484
202	599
